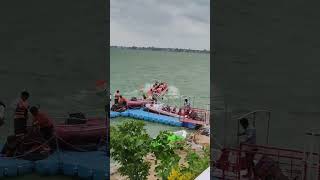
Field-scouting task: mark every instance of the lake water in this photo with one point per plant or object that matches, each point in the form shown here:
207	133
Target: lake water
186	73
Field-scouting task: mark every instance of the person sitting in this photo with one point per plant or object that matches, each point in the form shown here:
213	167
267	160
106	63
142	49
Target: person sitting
193	114
179	111
43	122
122	101
182	112
174	110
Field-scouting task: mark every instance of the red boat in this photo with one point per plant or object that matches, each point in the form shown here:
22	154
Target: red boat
158	89
90	132
137	103
197	116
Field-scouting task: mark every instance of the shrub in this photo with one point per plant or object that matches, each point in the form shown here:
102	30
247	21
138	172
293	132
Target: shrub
129	144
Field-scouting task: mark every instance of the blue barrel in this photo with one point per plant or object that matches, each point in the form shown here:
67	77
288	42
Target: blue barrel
25	168
47	167
70	169
10	171
100	175
85	173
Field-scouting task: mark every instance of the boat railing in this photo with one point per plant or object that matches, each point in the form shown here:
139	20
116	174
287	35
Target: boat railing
269	161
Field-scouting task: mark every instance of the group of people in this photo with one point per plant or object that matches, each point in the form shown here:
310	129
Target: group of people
158	87
21	116
120	102
185	111
119	99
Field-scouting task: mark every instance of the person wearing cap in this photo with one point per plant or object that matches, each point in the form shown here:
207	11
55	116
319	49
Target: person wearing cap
21	114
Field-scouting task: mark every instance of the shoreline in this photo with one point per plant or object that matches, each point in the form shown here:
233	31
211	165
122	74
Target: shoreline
163	49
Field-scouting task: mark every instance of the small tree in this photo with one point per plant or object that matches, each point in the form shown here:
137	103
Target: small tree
164	147
129	144
196	165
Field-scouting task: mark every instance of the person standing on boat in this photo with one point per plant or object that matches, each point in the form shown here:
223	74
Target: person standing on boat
116	97
250	138
2	112
42	121
186	104
21	114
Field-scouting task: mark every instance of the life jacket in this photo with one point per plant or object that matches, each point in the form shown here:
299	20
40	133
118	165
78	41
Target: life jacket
21	110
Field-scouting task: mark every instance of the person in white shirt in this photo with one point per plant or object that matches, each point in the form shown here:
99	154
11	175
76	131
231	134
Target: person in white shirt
2	113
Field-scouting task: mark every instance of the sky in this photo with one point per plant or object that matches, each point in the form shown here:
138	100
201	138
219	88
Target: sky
160	23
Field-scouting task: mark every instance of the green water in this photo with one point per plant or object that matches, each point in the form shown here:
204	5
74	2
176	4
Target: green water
186	73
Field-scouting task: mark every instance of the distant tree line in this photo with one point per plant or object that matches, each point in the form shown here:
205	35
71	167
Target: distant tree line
163	49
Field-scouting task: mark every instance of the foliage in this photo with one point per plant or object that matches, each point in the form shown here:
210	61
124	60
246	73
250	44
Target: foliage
177	175
129	143
164	147
196	163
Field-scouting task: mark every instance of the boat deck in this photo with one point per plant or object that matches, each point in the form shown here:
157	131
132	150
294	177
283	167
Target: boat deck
186	120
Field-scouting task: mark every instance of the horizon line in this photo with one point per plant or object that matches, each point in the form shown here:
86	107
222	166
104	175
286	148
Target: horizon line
159	47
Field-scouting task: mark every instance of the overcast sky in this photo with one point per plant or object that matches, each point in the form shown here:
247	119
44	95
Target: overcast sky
160	23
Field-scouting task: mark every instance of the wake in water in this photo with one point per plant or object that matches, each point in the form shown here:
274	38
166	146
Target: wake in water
173	92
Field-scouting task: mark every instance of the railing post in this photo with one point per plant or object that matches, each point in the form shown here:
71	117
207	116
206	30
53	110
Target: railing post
268	126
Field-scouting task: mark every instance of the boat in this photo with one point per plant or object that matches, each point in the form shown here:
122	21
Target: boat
157	91
137	103
201	116
89	131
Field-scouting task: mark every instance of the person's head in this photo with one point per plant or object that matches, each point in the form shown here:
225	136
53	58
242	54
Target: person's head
25	95
185	100
118	91
2	104
34	110
120	96
244	123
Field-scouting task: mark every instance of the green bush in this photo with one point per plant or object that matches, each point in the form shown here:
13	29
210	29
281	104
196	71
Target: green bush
164	147
129	144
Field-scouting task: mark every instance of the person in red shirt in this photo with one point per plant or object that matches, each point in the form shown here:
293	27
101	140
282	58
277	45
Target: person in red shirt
21	114
42	121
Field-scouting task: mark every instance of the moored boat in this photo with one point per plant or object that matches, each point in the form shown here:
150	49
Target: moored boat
137	103
192	115
91	131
